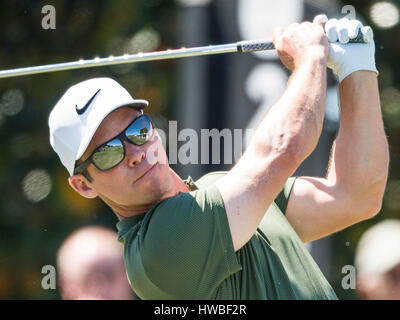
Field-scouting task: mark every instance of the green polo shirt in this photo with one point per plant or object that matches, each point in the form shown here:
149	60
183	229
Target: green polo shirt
182	249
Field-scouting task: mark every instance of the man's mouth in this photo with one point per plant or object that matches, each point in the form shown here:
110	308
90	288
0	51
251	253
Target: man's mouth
146	172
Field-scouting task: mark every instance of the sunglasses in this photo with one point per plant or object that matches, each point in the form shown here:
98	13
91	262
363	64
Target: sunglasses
111	153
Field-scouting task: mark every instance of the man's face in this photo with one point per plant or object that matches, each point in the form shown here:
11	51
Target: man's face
142	177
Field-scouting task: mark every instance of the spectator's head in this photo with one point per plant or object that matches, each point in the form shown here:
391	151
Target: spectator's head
91	266
378	262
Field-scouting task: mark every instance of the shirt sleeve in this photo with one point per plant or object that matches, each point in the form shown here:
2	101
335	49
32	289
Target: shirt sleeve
283	197
185	246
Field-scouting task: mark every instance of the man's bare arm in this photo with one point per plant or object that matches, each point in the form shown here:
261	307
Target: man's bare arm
285	137
360	156
356	179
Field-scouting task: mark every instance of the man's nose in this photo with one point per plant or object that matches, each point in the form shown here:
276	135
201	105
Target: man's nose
134	154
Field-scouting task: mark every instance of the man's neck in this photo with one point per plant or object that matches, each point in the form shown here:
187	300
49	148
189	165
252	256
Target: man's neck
179	186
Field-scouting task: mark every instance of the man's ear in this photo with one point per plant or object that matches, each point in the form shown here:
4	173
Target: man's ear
81	185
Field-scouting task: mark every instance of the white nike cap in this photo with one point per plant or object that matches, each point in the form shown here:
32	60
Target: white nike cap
80	111
378	250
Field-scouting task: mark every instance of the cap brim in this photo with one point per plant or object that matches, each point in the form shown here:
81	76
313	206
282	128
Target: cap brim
138	104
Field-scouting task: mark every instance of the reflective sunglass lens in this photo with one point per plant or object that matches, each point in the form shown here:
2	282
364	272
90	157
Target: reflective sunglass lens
109	155
140	131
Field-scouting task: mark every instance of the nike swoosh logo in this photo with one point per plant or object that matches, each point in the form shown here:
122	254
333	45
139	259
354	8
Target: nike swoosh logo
82	110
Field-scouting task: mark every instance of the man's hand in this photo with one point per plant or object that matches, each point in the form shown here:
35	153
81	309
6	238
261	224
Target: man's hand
344	57
298	42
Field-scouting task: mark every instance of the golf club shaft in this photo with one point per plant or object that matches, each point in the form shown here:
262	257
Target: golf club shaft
242	46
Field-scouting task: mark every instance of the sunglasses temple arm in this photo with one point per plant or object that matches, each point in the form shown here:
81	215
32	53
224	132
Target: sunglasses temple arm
82	167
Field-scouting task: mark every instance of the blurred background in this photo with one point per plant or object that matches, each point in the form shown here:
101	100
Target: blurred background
38	209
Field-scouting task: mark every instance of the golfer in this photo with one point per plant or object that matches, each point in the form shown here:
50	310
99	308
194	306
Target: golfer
238	235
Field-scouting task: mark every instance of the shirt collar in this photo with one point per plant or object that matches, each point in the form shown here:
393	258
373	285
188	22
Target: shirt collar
190	184
127	223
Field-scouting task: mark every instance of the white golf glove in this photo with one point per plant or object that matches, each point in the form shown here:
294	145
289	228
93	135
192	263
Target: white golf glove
346	58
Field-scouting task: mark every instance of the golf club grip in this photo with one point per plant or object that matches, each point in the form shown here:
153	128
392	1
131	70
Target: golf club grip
267	44
255	45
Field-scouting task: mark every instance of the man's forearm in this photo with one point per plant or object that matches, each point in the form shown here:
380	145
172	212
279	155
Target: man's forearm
295	121
360	155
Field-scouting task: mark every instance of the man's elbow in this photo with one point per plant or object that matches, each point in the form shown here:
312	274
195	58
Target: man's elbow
361	210
371	201
373	209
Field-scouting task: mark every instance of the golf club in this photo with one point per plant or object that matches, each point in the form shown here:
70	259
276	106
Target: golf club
241	46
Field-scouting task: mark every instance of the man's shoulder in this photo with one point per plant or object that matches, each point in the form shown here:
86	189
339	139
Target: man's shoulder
210	178
199	190
281	200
